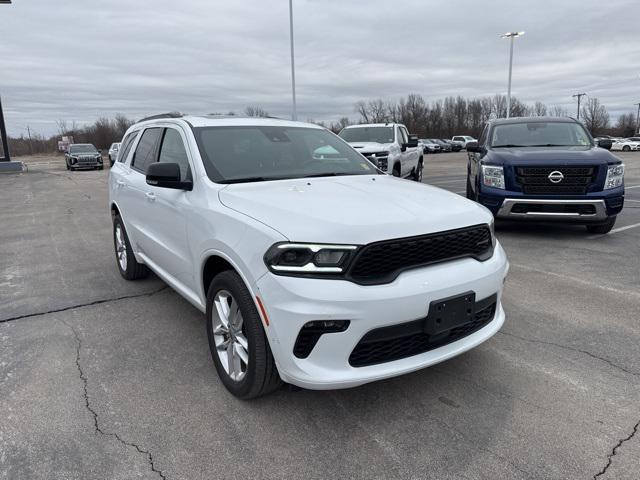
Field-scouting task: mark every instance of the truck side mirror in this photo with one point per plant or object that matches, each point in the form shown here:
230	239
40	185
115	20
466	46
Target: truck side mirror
474	147
605	143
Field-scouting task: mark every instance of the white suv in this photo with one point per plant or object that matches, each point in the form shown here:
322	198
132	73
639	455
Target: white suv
463	140
312	266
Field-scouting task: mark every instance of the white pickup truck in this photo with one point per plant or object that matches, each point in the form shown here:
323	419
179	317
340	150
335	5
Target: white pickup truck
388	146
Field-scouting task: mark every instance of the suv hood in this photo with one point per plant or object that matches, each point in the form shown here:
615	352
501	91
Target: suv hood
370	147
530	156
353	209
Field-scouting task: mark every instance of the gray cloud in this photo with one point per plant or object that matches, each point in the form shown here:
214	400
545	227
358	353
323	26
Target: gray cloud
78	60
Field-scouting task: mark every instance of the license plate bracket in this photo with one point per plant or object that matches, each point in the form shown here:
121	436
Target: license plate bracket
450	312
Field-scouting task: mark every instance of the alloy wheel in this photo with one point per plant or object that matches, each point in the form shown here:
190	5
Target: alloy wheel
121	248
231	343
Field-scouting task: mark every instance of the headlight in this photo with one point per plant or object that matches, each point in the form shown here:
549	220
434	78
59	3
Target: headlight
309	259
615	176
493	176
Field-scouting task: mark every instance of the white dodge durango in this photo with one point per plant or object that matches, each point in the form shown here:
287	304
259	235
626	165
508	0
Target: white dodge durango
312	266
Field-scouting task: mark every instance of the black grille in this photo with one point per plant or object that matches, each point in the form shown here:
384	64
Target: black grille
580	209
407	339
535	180
379	159
382	262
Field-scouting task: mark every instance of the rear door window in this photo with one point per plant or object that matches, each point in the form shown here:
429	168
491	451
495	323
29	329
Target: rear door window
146	152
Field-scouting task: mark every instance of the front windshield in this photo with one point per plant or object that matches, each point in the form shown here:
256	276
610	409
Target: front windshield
259	153
82	149
368	134
539	134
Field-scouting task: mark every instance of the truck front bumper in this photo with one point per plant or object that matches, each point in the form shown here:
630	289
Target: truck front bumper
593	207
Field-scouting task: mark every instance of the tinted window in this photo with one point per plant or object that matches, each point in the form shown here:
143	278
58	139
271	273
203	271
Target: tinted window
82	148
368	134
173	151
257	153
405	135
123	153
145	153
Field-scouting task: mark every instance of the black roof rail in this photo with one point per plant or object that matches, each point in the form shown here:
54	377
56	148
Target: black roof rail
162	115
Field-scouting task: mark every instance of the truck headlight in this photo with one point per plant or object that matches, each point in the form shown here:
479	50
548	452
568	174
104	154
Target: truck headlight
615	176
493	176
309	259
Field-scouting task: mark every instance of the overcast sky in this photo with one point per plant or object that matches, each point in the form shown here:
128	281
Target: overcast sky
77	60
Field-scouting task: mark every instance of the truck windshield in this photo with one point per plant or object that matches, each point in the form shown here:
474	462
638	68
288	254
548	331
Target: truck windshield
368	134
260	153
539	134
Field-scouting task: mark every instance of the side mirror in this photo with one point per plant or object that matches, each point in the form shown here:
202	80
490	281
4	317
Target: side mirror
167	175
413	141
474	147
605	143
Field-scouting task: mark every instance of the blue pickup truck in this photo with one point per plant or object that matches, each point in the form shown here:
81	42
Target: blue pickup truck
545	169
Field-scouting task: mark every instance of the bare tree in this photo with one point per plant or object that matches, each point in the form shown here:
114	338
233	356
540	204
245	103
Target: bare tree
539	109
595	116
626	125
254	111
558	111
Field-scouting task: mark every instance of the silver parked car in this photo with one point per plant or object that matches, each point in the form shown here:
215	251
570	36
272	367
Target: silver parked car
113	153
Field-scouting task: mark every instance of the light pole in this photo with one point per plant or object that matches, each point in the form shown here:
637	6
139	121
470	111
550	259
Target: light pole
638	119
3	129
294	113
510	36
578	96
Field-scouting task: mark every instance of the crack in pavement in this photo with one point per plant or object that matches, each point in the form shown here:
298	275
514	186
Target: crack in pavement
566	347
94	414
89	304
614	451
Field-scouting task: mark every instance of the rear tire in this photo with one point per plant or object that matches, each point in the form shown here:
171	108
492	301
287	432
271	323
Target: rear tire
230	303
128	266
602	228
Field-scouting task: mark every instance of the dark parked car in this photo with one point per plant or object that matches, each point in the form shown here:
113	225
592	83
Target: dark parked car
545	168
444	147
83	155
455	146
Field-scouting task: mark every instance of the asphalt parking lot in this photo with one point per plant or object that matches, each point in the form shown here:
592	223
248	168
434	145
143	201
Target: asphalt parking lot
105	379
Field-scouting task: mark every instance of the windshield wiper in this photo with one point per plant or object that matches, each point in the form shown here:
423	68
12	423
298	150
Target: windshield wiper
251	179
554	145
328	174
509	145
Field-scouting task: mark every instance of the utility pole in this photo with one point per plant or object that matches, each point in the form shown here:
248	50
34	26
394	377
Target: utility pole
294	113
30	144
638	119
578	96
3	138
511	36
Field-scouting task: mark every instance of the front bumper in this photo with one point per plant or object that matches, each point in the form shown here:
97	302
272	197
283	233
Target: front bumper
592	207
291	302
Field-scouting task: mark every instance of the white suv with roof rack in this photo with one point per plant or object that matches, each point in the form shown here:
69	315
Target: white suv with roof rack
312	266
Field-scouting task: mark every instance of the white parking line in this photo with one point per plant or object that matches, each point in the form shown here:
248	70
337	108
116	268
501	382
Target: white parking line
616	230
633	186
437	182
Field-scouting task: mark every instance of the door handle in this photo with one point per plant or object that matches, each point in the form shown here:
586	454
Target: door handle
120	183
150	196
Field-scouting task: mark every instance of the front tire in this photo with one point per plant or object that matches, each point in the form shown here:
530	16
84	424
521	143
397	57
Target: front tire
626	148
128	266
418	172
237	340
602	228
396	171
470	193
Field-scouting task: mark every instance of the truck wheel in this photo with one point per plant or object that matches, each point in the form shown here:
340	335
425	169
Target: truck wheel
602	228
128	266
238	344
417	173
470	194
396	171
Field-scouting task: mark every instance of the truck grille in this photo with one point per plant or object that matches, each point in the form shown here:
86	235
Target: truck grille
382	262
535	180
407	339
379	159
